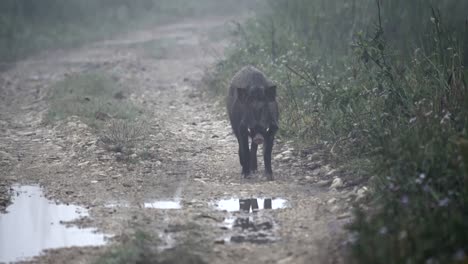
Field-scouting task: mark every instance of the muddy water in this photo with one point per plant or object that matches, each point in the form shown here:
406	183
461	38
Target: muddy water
249	205
33	223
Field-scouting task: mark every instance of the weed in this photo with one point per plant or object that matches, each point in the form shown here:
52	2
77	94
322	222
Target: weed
122	135
382	84
90	97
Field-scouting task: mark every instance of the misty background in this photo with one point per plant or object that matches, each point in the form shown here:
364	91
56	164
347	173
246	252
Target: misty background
379	87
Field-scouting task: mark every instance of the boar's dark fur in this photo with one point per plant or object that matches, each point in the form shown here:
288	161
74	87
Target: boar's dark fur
253	112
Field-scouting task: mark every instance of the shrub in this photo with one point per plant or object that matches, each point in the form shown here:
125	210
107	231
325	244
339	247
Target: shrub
385	82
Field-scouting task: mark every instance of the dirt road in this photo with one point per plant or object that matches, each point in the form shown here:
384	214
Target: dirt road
190	156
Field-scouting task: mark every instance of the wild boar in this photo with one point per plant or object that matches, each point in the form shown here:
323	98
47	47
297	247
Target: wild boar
253	112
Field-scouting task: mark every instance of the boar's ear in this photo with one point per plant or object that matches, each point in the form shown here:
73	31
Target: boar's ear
270	93
242	94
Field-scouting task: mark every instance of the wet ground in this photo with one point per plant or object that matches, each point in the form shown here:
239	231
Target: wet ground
188	187
33	223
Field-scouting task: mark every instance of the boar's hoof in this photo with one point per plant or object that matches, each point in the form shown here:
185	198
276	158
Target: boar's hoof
269	176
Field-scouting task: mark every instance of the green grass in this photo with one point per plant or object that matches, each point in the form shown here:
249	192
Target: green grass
92	97
139	248
142	248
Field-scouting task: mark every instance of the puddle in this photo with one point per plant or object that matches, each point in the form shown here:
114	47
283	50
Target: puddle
243	226
33	223
249	229
117	205
250	205
163	205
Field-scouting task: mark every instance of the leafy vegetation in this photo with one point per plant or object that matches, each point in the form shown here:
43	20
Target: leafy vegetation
381	83
29	26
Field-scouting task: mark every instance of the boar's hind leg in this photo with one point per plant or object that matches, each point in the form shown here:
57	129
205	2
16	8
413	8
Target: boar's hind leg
267	148
253	156
244	152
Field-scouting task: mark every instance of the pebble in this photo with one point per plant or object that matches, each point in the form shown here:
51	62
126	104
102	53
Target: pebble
361	193
278	157
336	183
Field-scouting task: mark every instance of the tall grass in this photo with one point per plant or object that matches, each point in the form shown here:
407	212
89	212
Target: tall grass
383	82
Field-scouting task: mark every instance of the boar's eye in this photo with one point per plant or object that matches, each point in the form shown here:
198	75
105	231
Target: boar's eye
270	93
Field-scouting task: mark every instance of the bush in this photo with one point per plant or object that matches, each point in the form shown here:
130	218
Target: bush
123	134
384	82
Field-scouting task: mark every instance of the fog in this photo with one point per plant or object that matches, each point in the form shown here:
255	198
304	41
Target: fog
221	131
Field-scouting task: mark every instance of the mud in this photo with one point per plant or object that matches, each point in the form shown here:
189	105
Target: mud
191	155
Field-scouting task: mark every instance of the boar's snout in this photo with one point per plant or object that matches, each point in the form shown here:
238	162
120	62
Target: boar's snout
258	139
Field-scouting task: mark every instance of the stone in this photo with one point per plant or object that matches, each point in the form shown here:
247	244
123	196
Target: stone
361	193
336	183
278	157
323	183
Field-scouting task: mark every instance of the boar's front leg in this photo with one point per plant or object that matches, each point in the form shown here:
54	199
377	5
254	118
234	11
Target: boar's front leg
267	149
244	153
253	156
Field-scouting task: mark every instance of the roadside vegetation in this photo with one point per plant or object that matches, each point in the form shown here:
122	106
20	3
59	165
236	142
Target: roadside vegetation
141	247
27	27
383	85
94	97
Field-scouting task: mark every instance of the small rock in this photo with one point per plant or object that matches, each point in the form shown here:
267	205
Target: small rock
331	172
287	153
83	164
343	216
278	157
313	165
334	209
160	137
316	171
26	133
337	183
361	193
323	183
331	201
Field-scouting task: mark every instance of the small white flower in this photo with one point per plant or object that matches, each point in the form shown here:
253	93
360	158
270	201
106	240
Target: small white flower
444	202
404	199
446	118
412	120
383	230
402	235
